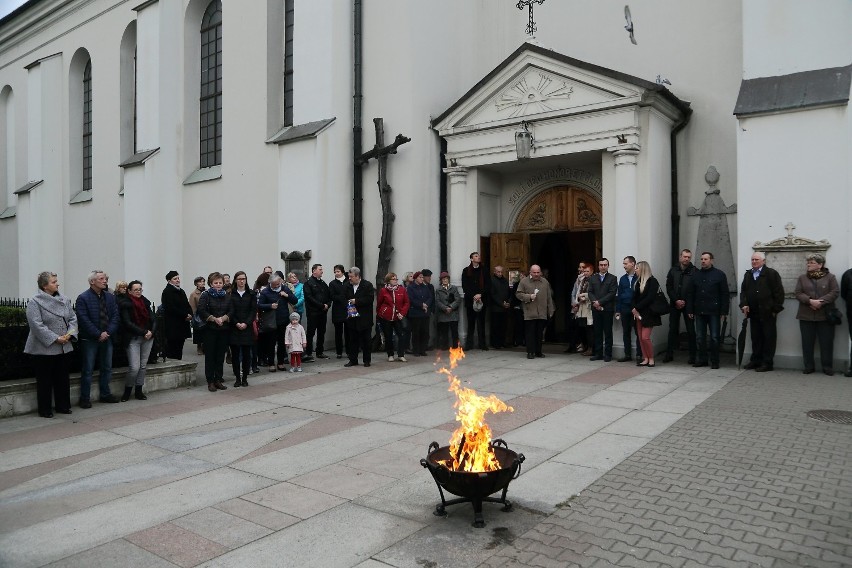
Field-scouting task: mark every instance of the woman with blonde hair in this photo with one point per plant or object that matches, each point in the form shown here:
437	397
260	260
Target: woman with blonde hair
645	290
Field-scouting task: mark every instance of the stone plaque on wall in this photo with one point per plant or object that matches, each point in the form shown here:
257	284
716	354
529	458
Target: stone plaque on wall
787	256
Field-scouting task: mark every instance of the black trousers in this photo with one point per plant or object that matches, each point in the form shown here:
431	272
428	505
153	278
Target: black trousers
475	320
628	329
316	325
419	334
174	348
52	382
533	330
445	329
674	333
241	360
498	328
215	347
813	331
358	340
763	339
603	332
341	340
389	328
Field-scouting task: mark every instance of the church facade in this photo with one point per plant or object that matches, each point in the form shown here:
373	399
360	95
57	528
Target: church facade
143	136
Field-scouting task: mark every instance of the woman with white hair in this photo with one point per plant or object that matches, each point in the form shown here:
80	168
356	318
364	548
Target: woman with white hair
276	297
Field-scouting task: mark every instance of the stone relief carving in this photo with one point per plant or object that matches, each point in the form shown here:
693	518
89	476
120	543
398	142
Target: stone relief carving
524	98
585	214
787	255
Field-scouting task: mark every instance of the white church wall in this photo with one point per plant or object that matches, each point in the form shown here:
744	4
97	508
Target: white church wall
787	36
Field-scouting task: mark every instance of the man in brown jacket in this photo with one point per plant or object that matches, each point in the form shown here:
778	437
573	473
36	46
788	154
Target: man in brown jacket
536	297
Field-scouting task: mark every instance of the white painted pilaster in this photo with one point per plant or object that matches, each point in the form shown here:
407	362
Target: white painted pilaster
626	218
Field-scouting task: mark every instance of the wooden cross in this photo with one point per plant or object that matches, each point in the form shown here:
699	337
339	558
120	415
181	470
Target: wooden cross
381	152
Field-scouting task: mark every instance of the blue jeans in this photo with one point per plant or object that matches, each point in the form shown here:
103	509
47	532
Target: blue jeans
138	351
702	322
90	349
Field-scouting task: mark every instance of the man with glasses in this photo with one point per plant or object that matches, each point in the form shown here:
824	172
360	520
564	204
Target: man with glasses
97	315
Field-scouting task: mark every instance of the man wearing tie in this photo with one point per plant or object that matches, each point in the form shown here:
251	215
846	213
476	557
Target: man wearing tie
603	287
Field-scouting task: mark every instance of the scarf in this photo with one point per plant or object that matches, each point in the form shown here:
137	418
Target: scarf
141	314
584	285
214	293
817	274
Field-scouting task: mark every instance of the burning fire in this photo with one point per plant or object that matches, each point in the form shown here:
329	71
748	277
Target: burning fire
470	444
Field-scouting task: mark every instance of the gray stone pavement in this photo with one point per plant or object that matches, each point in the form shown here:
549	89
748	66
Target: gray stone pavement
625	466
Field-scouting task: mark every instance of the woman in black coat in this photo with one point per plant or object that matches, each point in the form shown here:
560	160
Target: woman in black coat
177	314
137	332
244	306
645	289
215	310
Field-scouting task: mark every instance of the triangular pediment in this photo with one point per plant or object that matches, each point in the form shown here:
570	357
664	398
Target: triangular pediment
536	83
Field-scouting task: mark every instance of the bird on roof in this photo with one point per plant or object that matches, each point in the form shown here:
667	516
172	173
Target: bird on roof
629	26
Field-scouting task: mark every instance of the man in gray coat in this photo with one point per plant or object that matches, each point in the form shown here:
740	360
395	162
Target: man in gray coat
536	297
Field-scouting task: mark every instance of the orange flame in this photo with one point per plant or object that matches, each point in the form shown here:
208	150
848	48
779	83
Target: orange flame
470	444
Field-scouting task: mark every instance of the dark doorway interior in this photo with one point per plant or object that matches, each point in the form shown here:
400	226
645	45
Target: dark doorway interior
558	254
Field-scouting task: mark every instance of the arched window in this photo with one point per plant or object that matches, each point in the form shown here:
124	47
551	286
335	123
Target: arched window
87	126
211	86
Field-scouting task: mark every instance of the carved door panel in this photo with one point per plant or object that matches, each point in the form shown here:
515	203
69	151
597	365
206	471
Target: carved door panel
511	251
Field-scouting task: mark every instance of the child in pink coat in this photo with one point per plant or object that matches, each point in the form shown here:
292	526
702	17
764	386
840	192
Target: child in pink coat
295	339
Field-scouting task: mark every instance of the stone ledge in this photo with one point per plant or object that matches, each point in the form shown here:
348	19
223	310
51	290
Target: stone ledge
19	397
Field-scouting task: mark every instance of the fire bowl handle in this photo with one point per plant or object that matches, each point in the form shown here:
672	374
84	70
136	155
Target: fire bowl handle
499	442
432	447
519	461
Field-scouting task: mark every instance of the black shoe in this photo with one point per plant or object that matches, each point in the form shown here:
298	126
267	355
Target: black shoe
763	369
700	364
366	364
351	364
85	403
540	355
339	356
127	392
625	359
848	373
530	356
691	361
606	359
307	359
668	358
807	371
65	411
245	382
485	349
139	394
751	365
322	356
595	358
714	365
237	383
109	398
829	372
48	415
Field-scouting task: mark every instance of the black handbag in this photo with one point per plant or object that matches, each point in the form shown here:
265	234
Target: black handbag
834	315
268	321
660	306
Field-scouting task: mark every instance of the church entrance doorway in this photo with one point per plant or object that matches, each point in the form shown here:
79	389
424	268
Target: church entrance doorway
556	229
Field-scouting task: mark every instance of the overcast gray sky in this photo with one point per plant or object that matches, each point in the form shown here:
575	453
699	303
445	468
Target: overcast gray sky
7	6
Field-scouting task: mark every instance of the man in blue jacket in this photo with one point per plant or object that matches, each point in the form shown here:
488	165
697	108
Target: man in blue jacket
97	315
624	309
707	302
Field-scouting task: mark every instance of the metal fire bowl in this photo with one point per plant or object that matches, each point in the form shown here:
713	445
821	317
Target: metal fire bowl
473	487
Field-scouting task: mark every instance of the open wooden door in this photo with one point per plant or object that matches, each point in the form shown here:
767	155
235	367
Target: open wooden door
511	251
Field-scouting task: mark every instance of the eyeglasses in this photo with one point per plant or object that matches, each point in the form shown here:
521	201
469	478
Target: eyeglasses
136	290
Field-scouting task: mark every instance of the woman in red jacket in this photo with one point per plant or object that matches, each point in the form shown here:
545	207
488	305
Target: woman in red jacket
391	309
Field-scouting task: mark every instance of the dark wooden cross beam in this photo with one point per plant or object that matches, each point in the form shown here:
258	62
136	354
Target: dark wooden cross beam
381	152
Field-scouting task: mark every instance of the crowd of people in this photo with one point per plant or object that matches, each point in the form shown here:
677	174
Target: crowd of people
280	321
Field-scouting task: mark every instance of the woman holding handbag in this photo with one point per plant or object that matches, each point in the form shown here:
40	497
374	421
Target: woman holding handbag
244	306
645	290
391	310
816	291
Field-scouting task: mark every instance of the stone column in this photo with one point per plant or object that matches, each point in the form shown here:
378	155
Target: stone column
461	222
626	219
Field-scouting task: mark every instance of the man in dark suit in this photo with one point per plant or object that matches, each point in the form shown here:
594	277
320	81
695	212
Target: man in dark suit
360	295
603	287
761	298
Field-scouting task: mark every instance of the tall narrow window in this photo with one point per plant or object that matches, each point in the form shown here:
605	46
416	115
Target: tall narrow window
211	85
288	62
87	127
